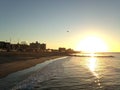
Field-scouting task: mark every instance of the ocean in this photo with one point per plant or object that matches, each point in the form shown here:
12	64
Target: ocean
75	73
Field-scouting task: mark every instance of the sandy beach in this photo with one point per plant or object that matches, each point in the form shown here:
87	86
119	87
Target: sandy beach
7	67
11	67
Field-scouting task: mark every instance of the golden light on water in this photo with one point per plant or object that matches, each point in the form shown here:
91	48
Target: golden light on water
92	65
92	44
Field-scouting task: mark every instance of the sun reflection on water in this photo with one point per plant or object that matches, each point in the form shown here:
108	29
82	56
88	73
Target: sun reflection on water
93	65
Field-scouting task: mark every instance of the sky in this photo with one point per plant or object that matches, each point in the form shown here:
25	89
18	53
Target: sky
60	23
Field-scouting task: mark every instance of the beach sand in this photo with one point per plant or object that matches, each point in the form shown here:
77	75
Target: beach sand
10	67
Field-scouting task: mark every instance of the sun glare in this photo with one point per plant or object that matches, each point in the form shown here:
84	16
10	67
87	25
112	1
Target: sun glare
92	44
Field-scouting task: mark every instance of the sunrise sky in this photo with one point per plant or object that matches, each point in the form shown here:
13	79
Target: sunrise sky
61	23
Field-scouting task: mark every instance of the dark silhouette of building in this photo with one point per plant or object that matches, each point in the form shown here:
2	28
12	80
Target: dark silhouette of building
23	47
5	46
34	47
69	50
43	46
62	49
37	47
15	47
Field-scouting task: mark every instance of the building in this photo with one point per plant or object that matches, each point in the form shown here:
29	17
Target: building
70	50
2	45
35	45
23	47
5	45
43	46
62	49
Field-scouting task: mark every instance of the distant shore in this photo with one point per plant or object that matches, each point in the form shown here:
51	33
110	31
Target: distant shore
12	62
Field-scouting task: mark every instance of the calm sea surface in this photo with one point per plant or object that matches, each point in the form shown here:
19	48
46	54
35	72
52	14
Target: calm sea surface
76	73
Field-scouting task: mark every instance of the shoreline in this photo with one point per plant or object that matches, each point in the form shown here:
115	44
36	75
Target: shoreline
11	67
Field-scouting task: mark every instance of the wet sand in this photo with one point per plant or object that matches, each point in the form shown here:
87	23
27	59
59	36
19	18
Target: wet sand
7	68
15	61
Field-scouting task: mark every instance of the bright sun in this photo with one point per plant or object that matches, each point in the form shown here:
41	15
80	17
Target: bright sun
92	44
